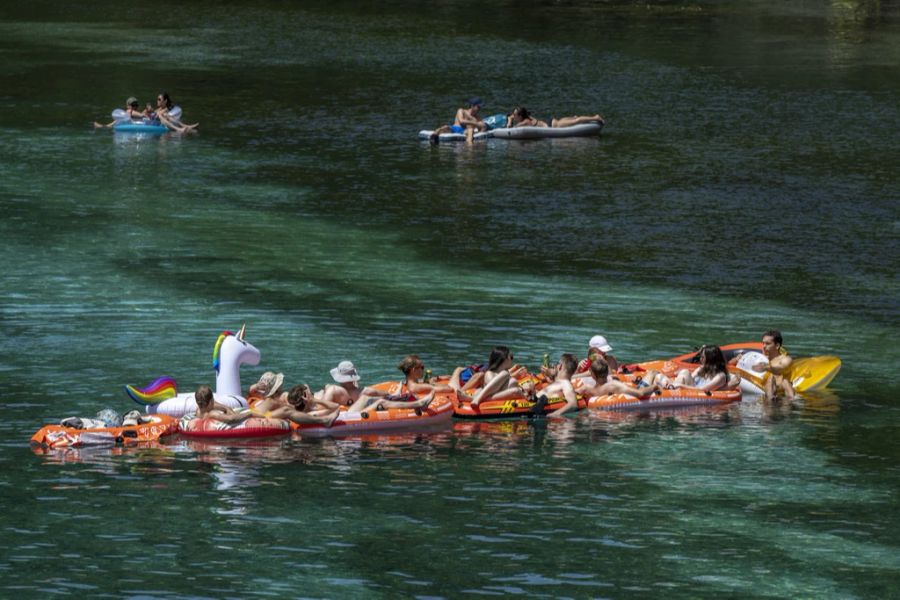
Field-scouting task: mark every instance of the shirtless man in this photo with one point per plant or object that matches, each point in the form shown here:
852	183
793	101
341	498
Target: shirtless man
466	121
347	393
208	408
561	386
779	364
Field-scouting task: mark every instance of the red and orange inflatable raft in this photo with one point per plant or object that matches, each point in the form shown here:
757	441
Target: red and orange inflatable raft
58	436
253	427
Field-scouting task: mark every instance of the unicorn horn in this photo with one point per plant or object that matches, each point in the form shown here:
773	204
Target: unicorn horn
240	334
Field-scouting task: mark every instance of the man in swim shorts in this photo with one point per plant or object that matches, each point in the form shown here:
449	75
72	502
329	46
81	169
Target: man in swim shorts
778	365
466	121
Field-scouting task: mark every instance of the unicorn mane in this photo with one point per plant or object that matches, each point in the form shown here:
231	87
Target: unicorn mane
218	347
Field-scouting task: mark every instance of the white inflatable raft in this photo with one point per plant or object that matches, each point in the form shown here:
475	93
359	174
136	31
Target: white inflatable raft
536	133
425	134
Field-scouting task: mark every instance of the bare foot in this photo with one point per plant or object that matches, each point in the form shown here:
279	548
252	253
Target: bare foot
334	416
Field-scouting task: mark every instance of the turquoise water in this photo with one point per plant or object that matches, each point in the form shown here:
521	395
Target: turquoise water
745	180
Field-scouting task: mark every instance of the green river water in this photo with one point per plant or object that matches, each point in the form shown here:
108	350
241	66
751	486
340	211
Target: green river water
746	179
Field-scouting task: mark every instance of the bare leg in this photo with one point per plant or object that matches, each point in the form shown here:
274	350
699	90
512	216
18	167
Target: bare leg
475	381
454	379
658	379
784	385
569	121
651	377
496	384
435	136
684	378
361	404
769	387
470	134
175	125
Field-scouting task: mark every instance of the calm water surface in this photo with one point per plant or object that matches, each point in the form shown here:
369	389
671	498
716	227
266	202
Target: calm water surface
746	179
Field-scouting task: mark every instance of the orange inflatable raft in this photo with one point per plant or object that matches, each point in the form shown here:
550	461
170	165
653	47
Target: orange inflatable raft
438	412
252	427
57	436
663	399
508	408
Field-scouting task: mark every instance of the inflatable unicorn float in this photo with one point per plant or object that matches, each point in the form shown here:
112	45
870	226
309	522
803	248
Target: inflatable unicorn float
230	352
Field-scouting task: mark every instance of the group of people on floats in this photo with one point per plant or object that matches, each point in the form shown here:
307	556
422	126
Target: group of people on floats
467	121
161	114
499	379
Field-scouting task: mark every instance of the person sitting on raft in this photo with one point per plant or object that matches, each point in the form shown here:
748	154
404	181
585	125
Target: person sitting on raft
711	375
131	108
265	406
208	408
604	386
348	393
598	347
301	408
499	379
413	370
466	121
161	113
561	387
268	386
521	117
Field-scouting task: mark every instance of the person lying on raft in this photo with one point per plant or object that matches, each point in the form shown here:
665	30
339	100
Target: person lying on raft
499	379
413	370
131	107
268	386
301	407
161	113
466	121
208	408
348	393
604	386
561	387
521	117
710	376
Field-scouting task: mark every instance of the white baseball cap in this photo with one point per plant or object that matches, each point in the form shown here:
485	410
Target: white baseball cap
599	342
345	372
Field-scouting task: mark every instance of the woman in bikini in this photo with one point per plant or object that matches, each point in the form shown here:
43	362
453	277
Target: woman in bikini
500	380
521	117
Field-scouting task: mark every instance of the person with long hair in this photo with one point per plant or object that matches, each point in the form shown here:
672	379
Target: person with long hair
522	117
163	114
500	378
711	375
